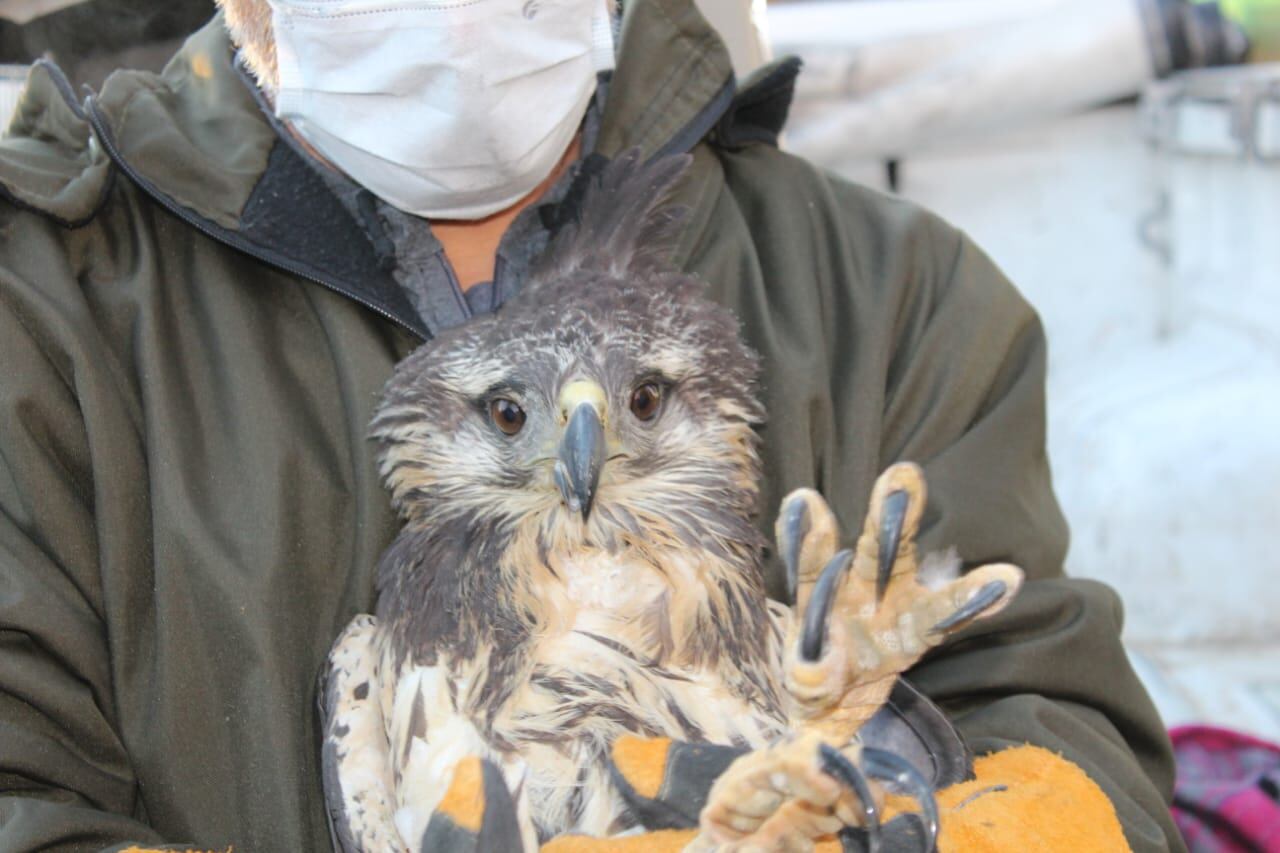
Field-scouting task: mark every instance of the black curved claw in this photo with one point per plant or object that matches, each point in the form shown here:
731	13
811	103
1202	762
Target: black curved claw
835	765
892	516
813	633
987	595
795	527
890	767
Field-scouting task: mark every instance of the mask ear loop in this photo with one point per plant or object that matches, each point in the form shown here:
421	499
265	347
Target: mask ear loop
288	73
602	36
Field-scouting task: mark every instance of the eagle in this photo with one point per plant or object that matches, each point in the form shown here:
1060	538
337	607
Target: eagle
578	477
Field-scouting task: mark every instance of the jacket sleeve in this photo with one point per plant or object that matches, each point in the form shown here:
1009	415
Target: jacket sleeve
965	399
65	777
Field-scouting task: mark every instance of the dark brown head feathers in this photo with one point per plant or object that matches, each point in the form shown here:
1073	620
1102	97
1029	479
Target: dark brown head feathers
607	304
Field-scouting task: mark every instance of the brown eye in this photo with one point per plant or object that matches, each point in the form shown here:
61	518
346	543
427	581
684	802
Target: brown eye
507	415
645	401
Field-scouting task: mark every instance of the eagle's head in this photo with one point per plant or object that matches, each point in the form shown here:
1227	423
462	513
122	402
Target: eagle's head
609	401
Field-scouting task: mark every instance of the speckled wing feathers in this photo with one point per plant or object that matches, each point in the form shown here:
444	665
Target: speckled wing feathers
357	782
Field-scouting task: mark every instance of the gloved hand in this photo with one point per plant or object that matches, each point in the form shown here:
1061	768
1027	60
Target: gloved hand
1022	798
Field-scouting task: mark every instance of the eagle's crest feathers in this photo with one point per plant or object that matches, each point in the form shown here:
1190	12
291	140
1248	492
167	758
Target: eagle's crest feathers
625	227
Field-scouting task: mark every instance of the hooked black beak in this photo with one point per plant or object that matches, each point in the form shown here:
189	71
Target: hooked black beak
582	451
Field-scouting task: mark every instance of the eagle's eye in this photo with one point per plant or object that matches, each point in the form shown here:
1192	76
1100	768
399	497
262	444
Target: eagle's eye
508	416
645	401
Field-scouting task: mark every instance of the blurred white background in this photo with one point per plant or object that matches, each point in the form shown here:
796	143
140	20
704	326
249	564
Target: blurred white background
1142	218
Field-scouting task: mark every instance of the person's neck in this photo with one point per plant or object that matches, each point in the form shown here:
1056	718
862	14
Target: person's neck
471	245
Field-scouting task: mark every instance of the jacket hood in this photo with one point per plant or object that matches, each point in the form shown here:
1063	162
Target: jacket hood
48	162
194	138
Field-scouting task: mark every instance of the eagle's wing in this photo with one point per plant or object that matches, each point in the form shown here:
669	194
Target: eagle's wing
385	782
453	790
359	795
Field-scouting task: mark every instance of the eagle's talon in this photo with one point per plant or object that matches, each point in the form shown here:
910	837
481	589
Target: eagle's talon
802	790
817	614
786	797
840	768
986	596
892	517
862	619
793	529
807	535
890	767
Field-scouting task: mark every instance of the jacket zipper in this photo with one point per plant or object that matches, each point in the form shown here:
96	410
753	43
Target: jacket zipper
103	134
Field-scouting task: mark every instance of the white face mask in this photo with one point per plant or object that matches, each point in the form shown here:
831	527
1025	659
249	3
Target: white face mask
451	109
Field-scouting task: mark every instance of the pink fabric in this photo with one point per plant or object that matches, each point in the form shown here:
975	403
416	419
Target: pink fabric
1227	796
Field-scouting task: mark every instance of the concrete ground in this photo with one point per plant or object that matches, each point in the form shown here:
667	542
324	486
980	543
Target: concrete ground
1156	282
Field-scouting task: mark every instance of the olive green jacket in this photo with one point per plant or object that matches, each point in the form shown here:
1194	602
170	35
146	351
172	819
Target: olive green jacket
193	336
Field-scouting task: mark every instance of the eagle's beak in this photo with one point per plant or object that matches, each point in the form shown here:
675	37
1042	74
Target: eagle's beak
582	447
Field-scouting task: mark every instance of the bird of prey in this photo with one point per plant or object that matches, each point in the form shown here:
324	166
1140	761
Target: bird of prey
578	476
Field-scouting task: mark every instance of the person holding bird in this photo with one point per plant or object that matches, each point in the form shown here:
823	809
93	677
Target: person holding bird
209	275
580	565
